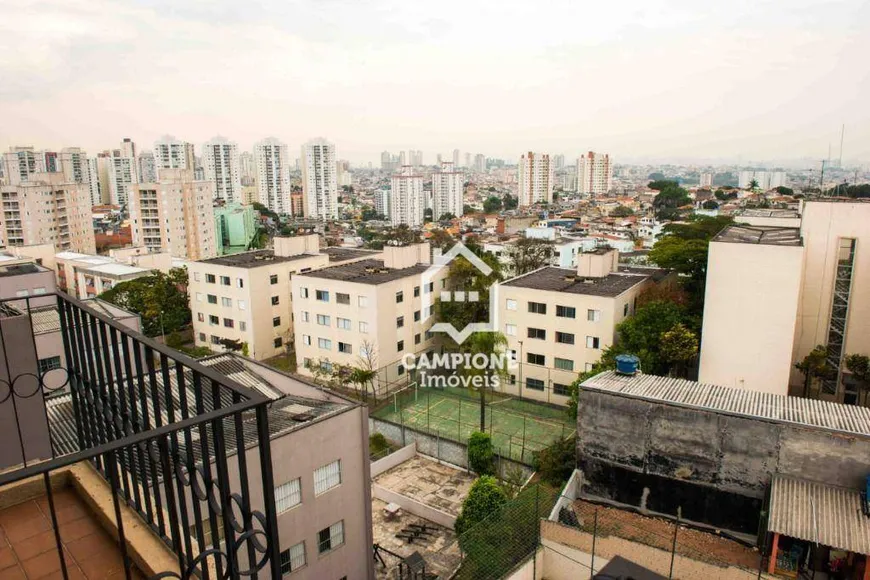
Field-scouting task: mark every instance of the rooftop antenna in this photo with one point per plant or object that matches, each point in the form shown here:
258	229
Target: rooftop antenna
842	134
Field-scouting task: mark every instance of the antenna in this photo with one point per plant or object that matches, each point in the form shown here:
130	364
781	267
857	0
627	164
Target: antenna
842	134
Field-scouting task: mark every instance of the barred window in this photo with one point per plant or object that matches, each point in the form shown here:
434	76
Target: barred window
330	538
288	495
49	364
327	477
293	558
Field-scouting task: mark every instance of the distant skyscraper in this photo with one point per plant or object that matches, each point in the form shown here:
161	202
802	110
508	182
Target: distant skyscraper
456	158
594	174
383	202
765	179
386	161
128	148
220	164
558	162
438	160
343	176
122	175
273	174
706	181
447	185
22	162
407	203
535	179
73	163
247	168
147	167
95	188
319	182
467	163
480	163
415	158
403	159
171	153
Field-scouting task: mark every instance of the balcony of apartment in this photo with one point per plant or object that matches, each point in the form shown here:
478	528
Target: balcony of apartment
123	462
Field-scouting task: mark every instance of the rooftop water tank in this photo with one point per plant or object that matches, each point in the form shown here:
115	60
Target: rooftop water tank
627	364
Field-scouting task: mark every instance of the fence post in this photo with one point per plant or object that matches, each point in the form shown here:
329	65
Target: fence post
402	415
594	536
674	545
537	534
459	427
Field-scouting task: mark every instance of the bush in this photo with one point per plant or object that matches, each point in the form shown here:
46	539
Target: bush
556	463
481	457
485	498
378	444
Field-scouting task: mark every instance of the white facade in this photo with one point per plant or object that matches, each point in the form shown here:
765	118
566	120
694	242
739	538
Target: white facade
765	179
273	174
594	173
535	179
95	189
480	163
383	203
247	167
147	167
220	162
22	162
122	175
706	181
407	202
319	182
447	185
171	153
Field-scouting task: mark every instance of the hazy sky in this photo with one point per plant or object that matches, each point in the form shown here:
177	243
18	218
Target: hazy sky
738	79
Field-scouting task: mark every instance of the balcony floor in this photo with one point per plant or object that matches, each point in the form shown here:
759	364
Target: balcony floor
28	549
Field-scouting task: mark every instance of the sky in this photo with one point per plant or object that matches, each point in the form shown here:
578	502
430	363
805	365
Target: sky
740	81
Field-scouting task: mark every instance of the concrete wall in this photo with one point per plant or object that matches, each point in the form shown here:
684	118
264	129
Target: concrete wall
749	316
716	467
394	459
414	507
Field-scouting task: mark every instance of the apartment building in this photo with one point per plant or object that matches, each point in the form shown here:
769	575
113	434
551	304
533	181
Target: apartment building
172	153
146	165
47	208
319	183
557	321
19	163
272	158
383	202
407	201
447	188
220	162
594	173
764	179
121	175
774	293
175	214
369	312
535	179
88	275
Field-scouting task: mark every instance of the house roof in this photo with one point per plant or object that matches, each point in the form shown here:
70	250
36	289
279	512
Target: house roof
566	280
366	272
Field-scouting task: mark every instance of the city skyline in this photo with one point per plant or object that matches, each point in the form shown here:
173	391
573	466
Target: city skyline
673	80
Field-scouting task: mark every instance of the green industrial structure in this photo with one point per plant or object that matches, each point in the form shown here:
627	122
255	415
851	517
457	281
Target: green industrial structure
235	226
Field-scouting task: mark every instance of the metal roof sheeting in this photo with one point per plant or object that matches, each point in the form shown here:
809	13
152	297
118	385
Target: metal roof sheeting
827	515
779	408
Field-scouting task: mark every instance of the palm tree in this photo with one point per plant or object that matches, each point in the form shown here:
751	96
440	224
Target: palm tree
487	343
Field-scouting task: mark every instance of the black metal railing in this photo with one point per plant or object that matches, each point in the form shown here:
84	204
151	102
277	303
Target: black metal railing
182	445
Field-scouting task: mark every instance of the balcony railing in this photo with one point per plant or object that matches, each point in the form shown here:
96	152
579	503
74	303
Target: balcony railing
183	446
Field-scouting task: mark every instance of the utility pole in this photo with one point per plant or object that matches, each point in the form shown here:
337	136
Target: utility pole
822	179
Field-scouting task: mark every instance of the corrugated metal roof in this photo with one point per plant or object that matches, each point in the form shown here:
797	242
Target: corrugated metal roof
813	413
824	514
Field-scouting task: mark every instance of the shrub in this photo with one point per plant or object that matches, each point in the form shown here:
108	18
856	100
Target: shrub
556	463
485	498
481	457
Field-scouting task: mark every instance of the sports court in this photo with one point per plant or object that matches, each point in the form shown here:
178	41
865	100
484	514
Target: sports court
518	427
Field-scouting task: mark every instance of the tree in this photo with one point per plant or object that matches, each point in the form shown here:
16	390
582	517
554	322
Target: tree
622	211
159	299
529	254
481	457
369	214
679	346
441	239
463	275
783	190
489	344
446	217
710	204
427	215
641	334
485	498
814	366
468	210
859	366
365	373
657	176
492	204
753	184
556	463
231	345
669	199
511	201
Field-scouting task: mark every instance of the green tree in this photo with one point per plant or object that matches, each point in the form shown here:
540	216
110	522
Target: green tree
783	190
492	204
481	456
753	185
427	215
511	201
529	254
159	299
441	239
485	498
815	366
468	210
463	275
489	344
446	217
859	366
679	346
710	204
369	214
622	211
556	463
670	198
641	334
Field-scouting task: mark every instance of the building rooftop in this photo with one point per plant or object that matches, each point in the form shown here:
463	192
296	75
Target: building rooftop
337	254
366	272
765	235
731	401
45	319
116	269
771	213
253	259
19	269
567	280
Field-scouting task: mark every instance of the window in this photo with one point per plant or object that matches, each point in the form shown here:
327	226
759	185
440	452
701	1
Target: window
363	301
512	380
417	338
342	298
400	322
212	299
625	309
343	323
288	495
345	348
416	316
215	339
199	296
213	320
535	359
48	364
560	389
322	295
511	304
565	337
564	364
330	538
400	297
293	558
226	302
303	292
242	304
275	300
592	342
566	311
278	342
538	333
416	291
534	384
196	276
305	316
327	477
510	329
431	287
200	317
324	343
225	281
401	370
306	339
201	337
593	315
240	282
210	278
229	323
364	327
400	346
276	321
273	279
243	326
537	308
323	320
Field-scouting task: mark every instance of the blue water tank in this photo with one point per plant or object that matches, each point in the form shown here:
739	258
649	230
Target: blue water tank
627	364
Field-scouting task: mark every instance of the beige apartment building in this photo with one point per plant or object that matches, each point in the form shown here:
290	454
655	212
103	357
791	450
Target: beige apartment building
774	293
87	275
47	209
557	321
175	214
372	311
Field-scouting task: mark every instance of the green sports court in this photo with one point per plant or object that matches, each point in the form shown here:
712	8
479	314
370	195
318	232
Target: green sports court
518	427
